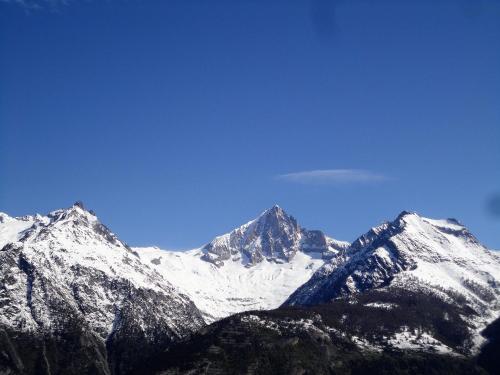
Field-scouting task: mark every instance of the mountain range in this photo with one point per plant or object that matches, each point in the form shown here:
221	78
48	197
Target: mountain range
78	296
254	267
74	298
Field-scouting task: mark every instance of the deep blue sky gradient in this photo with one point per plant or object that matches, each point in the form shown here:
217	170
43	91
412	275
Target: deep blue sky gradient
172	119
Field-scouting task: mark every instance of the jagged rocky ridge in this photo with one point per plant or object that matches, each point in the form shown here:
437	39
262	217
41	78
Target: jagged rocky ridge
416	254
76	299
256	266
274	235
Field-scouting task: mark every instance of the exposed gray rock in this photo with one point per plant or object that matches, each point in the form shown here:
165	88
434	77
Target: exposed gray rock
274	235
73	295
413	253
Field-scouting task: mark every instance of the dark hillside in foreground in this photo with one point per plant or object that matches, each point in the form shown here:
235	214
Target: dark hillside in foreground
489	358
344	337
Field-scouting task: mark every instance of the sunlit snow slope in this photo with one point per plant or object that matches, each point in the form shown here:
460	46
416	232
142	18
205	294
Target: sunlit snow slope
69	264
222	291
413	253
254	267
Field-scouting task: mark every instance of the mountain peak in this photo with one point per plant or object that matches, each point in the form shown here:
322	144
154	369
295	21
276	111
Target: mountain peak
412	214
274	235
274	208
79	204
4	217
275	218
275	211
414	223
406	213
69	275
409	250
452	220
403	215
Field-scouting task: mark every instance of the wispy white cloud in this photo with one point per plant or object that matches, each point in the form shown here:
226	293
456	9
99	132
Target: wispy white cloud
333	176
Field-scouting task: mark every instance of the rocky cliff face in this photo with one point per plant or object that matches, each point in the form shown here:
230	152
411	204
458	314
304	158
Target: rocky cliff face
68	284
274	235
413	253
256	266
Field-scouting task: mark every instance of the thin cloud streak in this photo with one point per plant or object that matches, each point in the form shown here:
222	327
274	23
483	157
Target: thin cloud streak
333	177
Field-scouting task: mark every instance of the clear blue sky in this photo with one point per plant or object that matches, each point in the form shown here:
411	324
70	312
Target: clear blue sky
176	120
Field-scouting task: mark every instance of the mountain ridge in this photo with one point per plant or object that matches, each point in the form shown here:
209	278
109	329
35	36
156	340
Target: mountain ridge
82	297
247	267
66	278
413	253
274	235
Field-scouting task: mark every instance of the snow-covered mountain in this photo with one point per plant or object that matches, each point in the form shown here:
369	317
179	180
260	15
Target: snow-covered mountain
413	253
75	299
274	235
222	291
66	273
254	267
409	295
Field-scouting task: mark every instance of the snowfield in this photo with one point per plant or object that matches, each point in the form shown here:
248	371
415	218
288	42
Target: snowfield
222	291
254	267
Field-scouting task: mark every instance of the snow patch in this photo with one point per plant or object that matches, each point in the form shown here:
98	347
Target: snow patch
222	291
